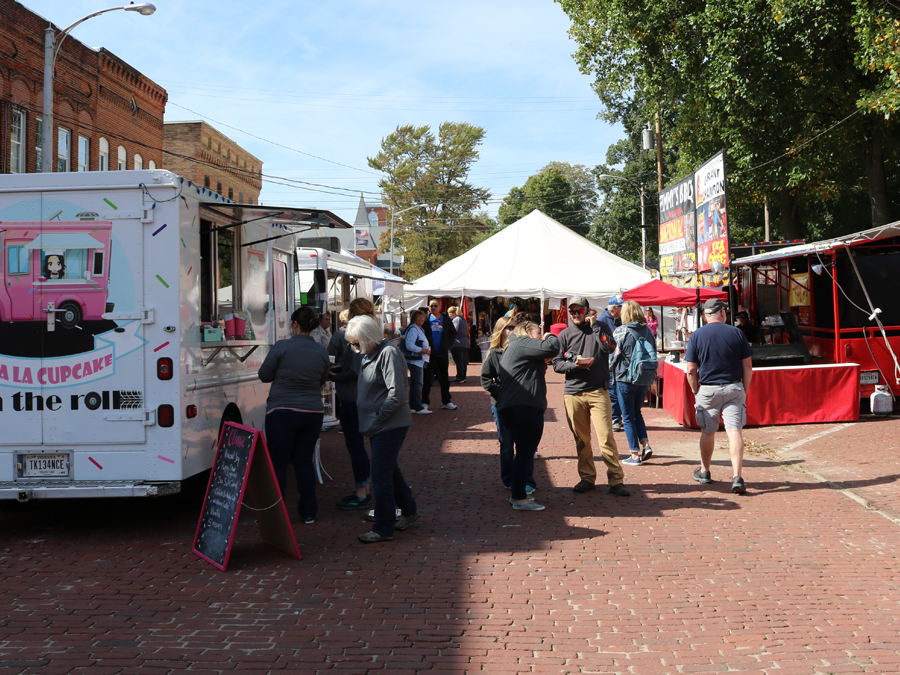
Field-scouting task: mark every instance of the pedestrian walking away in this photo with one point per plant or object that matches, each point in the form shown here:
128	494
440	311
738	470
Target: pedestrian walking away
441	335
634	369
460	348
585	349
522	400
297	368
612	318
385	417
345	373
490	382
719	370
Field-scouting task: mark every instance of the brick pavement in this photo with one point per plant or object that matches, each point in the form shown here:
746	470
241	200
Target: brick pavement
794	577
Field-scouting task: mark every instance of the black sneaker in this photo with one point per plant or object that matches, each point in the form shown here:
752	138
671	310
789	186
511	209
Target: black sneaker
354	503
583	486
619	490
702	476
403	522
737	485
617	425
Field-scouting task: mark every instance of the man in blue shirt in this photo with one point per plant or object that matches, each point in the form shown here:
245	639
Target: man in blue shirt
610	317
719	370
441	335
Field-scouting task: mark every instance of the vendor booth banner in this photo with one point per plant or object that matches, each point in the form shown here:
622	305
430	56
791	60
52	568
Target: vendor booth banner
800	290
677	232
712	218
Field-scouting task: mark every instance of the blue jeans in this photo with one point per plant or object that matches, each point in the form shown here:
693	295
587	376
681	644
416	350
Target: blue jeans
391	489
291	437
356	445
526	425
614	400
507	454
631	398
415	387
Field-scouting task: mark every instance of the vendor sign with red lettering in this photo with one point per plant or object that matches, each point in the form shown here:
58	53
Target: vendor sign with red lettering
676	229
712	216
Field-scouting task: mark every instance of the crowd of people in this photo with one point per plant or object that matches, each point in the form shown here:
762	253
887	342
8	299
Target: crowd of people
609	362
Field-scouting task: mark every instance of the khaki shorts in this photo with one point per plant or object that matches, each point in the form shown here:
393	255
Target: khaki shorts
727	401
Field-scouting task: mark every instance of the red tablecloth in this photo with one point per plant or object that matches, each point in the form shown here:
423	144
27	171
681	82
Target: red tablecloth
786	395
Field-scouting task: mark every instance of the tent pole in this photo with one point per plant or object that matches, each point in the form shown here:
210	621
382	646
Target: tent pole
542	311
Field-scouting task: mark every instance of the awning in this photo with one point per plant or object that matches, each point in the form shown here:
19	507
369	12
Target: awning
60	241
659	293
827	246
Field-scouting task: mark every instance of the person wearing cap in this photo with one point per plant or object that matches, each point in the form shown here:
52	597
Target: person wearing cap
584	359
719	370
612	318
749	330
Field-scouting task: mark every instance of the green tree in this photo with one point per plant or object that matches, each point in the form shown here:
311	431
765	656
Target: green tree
560	190
432	171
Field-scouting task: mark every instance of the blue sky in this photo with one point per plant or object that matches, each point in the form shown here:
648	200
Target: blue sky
327	80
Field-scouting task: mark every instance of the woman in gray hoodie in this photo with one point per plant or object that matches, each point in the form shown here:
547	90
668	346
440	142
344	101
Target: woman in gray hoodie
385	417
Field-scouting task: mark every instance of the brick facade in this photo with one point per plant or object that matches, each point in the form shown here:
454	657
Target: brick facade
208	157
96	96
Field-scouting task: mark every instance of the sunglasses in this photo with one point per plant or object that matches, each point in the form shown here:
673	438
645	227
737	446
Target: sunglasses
434	306
576	311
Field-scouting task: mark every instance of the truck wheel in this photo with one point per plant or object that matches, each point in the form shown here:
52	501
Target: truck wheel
69	314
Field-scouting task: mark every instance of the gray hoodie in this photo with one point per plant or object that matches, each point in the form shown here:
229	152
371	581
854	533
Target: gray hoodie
383	391
522	368
297	368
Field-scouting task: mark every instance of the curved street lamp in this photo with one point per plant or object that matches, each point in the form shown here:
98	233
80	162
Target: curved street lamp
640	188
397	213
51	51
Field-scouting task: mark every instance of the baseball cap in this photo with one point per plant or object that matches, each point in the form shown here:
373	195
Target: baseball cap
616	300
579	300
714	305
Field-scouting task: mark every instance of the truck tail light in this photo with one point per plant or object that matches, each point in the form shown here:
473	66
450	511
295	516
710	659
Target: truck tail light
164	369
165	415
191	411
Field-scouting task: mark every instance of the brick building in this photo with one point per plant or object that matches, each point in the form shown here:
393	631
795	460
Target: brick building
107	115
208	157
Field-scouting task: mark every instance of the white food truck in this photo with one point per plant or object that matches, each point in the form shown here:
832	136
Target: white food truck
115	372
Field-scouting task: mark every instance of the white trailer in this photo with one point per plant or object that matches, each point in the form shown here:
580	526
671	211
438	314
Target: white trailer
111	380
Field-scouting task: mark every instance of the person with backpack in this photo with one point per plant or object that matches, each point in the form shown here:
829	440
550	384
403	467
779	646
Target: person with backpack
634	368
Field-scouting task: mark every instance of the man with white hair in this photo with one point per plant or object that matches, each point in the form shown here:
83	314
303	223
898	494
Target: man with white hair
719	370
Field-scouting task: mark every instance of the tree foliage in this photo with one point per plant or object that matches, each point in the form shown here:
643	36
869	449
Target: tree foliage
430	171
560	190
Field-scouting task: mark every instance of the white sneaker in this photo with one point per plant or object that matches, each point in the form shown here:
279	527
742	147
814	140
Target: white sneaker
424	411
449	406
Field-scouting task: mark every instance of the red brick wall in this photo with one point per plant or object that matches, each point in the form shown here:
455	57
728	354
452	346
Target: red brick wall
96	94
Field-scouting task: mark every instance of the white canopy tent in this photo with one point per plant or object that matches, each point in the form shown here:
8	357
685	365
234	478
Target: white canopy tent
534	257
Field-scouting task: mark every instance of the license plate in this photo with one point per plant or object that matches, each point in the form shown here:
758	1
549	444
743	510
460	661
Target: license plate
45	465
868	377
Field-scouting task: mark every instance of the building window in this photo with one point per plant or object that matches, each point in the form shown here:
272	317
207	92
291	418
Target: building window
151	164
38	143
84	153
250	200
206	181
63	150
138	163
219	188
230	193
17	141
241	197
120	163
103	155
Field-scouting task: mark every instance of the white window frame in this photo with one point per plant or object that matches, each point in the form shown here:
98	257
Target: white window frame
17	142
103	155
122	159
138	163
63	150
84	153
151	165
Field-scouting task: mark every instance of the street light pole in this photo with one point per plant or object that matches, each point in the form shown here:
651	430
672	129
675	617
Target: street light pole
640	188
393	213
51	51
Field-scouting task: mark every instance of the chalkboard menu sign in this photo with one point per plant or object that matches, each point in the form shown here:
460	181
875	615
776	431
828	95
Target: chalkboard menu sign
242	468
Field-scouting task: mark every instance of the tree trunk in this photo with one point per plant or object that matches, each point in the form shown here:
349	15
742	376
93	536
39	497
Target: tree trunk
790	228
874	165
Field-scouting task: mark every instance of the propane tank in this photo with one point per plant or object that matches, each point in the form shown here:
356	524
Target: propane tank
881	401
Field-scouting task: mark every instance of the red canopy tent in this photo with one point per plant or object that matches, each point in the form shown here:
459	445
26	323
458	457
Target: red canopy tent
658	293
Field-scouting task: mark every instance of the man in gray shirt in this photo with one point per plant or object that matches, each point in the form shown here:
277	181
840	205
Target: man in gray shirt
584	358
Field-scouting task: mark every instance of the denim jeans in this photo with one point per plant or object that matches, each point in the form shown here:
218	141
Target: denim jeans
614	400
291	438
507	454
355	442
390	488
631	398
526	425
415	387
461	359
